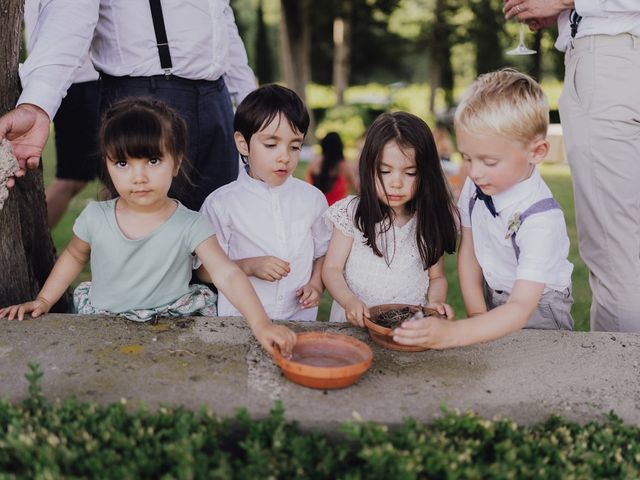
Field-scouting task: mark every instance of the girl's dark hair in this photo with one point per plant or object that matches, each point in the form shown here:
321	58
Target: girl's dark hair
332	155
142	128
436	231
264	104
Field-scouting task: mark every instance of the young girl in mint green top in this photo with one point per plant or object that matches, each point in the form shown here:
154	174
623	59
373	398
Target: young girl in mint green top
141	244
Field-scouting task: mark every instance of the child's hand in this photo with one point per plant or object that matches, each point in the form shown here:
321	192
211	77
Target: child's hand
443	309
269	268
271	334
355	311
309	296
430	332
37	307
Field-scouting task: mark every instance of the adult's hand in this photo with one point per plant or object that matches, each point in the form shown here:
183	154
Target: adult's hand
27	127
536	24
544	12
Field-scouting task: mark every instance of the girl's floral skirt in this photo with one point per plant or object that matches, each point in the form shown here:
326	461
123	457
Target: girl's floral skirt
199	301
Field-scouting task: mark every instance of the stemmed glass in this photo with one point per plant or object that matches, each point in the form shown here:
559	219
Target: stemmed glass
521	49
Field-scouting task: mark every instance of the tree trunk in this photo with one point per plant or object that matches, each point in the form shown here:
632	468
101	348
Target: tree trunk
264	62
27	253
295	42
536	68
438	46
435	74
341	53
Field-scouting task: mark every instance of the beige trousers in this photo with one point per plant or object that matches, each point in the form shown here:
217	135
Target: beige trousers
600	114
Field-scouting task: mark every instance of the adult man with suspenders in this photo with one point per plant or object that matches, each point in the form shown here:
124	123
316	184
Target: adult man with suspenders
187	53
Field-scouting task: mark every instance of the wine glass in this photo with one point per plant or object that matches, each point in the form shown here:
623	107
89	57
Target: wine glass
521	49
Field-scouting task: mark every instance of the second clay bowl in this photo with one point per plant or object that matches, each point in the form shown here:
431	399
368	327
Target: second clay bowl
386	317
325	360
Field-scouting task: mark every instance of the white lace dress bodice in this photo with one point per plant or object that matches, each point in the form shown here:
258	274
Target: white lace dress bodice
368	276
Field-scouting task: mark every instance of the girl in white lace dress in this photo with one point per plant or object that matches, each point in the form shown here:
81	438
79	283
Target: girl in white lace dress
388	243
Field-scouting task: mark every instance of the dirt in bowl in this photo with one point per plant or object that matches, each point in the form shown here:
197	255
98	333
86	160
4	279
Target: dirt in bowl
393	318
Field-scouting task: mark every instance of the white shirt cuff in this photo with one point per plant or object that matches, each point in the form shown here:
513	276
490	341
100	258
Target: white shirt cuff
44	96
532	276
590	8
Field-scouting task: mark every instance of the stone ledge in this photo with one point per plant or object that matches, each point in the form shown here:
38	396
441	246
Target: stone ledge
216	362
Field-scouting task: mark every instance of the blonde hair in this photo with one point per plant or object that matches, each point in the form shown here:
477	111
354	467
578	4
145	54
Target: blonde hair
507	103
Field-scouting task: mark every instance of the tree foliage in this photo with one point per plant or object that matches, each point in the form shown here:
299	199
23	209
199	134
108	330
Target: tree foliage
485	33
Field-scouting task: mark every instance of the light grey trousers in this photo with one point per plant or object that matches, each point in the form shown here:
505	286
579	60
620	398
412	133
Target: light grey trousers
553	312
600	114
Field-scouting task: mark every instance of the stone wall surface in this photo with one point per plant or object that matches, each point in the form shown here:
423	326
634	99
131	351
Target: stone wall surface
216	362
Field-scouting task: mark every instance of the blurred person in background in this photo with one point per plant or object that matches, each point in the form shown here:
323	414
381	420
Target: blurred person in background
330	172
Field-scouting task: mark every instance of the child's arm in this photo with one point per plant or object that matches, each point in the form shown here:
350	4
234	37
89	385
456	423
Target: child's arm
266	268
437	292
66	269
333	277
470	276
235	285
433	332
311	292
203	274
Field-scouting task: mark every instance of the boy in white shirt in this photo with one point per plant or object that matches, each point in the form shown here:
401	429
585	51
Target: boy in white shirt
267	221
512	261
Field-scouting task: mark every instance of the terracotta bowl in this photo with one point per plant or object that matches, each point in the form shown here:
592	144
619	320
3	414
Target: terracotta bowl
325	360
384	335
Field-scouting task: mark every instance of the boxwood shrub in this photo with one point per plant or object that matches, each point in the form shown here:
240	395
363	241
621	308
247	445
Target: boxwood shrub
69	439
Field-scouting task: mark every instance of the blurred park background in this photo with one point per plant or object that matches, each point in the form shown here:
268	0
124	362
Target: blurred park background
354	59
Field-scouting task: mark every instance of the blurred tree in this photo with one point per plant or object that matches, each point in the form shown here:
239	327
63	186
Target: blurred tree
536	60
439	38
295	43
375	52
341	51
295	47
27	253
264	58
485	33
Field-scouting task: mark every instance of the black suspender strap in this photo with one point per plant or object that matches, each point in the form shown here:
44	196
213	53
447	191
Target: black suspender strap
161	36
574	20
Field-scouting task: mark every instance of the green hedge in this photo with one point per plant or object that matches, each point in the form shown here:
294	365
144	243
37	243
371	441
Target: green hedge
69	439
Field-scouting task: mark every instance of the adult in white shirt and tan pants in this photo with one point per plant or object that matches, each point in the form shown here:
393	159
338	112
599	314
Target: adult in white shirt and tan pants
207	64
600	114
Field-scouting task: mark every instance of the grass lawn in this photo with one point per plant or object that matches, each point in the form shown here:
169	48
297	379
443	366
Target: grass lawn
557	177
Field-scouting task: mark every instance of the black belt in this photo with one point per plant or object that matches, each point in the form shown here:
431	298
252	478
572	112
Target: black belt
153	81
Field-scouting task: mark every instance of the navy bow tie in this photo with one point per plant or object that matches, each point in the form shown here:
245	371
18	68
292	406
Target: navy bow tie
488	201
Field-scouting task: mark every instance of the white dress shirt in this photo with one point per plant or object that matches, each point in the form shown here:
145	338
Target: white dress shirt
252	219
202	34
85	73
542	238
600	17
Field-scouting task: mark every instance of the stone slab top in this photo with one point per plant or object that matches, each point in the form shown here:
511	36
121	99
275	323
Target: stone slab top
198	361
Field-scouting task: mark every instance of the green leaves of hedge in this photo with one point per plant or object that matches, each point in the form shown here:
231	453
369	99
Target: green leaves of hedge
39	439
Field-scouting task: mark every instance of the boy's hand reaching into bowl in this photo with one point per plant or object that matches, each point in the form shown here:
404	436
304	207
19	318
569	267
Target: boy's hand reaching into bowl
429	332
